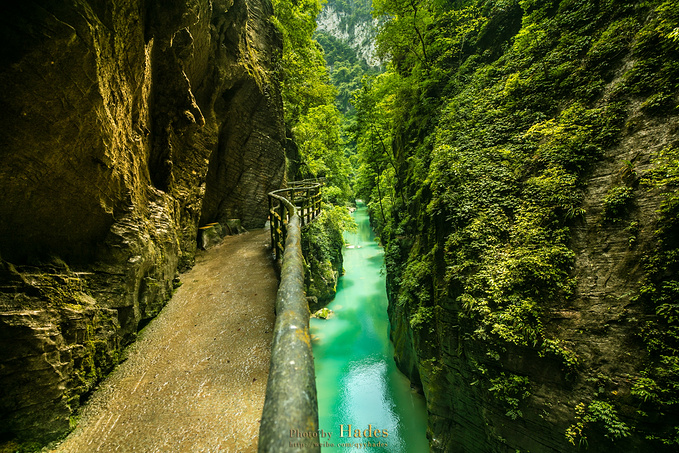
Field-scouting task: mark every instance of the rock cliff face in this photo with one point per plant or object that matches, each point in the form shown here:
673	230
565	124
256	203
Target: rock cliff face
518	268
601	324
127	125
352	24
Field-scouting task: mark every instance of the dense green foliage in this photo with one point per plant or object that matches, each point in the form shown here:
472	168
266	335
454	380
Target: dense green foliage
346	70
304	77
474	151
309	99
375	180
346	63
659	386
315	124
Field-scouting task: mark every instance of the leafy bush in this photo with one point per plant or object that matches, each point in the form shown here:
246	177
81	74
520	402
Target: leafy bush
510	390
596	413
617	203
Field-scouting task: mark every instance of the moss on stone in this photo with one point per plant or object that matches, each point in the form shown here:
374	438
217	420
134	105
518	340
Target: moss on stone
322	245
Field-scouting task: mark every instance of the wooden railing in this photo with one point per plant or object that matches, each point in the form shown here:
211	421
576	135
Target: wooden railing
290	404
305	196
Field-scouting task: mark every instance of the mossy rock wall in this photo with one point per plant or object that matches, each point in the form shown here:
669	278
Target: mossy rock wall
127	125
527	254
56	352
322	245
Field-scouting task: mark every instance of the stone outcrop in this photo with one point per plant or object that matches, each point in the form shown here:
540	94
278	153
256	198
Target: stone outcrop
322	244
127	126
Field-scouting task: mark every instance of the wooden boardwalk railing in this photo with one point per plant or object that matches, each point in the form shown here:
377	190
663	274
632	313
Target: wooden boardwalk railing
291	404
303	195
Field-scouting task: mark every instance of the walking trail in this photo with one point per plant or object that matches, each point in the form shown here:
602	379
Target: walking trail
195	380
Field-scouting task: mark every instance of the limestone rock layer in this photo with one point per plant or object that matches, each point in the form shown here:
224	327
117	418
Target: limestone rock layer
127	125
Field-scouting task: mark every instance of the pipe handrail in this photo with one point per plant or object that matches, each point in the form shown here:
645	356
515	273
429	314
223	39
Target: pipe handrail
291	404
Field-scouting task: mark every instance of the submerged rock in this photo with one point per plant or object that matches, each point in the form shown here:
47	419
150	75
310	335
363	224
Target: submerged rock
323	313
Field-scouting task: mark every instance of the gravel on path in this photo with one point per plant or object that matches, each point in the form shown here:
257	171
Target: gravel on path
195	379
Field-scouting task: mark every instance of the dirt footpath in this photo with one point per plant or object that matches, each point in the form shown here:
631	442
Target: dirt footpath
195	380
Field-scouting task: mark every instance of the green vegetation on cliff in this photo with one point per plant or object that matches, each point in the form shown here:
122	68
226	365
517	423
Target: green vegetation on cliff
658	388
505	139
311	117
322	244
314	124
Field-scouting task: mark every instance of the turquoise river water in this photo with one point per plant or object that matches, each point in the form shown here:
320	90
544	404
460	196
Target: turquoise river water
356	377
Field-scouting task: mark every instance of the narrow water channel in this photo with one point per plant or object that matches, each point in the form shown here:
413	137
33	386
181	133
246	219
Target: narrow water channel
357	380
